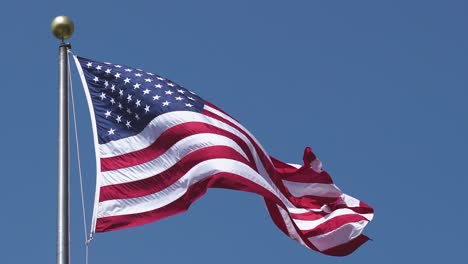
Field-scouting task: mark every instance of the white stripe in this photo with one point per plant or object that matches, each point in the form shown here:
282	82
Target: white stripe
297	166
230	119
260	166
338	236
324	208
156	127
350	201
176	190
299	189
292	232
311	224
165	161
149	134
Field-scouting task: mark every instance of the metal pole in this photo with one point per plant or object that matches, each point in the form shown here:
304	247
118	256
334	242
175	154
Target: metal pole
63	221
62	27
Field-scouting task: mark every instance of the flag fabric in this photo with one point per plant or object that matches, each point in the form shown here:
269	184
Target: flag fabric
160	146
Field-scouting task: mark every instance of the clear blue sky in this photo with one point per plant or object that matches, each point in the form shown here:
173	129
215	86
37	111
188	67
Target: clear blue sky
378	90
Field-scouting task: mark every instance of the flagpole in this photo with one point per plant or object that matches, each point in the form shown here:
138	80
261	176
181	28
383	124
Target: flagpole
62	27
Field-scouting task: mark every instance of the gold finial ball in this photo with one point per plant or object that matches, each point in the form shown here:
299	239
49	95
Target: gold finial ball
62	27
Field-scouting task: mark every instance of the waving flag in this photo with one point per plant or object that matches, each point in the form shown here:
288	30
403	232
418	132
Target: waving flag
160	146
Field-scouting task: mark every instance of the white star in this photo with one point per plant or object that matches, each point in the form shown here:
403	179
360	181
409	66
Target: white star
166	103
117	75
128	124
112	101
127	80
128	70
129	110
138	74
178	98
118	66
108	71
169	92
191	98
158	86
189	105
171	84
118	119
111	131
137	117
120	106
146	91
96	79
149	73
180	91
108	63
138	102
192	92
106	83
103	96
148	80
129	97
156	97
113	88
108	113
120	92
147	107
99	67
89	64
136	86
161	79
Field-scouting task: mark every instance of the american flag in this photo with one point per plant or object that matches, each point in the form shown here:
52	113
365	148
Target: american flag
160	146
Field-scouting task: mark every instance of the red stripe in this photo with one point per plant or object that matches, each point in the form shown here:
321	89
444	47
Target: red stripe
263	157
282	167
219	109
195	191
333	224
308	215
362	209
276	216
346	248
304	174
311	201
163	180
307	175
334	203
279	221
165	141
364	205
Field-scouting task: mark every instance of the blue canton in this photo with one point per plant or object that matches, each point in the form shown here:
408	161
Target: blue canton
126	99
